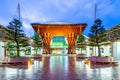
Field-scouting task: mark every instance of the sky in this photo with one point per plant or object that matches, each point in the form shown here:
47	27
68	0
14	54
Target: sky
70	11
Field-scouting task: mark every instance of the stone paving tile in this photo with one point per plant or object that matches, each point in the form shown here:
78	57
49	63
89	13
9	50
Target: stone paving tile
59	68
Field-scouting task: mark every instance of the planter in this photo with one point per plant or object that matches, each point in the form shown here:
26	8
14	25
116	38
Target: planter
17	60
36	56
79	56
100	59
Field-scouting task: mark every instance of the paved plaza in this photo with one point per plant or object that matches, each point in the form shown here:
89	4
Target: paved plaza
59	68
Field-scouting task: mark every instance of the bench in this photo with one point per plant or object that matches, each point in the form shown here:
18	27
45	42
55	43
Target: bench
103	60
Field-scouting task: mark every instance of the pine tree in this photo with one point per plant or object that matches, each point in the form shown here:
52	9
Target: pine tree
15	35
81	42
97	35
37	42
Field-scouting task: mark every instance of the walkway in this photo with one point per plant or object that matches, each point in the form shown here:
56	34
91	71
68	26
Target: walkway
59	68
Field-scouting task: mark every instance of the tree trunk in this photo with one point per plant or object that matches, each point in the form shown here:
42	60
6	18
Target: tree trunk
95	50
81	50
99	54
25	52
36	50
18	51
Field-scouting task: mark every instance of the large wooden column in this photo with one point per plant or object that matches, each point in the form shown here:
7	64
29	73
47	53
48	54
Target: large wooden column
71	43
46	43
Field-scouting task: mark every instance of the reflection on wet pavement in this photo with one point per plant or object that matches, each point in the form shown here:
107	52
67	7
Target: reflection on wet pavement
59	68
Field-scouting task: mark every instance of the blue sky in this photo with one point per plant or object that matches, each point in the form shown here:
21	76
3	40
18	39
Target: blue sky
73	11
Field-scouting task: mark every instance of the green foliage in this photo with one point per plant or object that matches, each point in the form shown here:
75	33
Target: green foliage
26	50
12	55
16	35
37	42
10	47
97	35
81	42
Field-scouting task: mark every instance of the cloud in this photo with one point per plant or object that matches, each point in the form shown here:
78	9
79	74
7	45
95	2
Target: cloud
2	22
30	14
75	11
27	25
65	10
28	29
105	8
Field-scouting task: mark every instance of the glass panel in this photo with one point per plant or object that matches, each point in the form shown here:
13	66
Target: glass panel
59	42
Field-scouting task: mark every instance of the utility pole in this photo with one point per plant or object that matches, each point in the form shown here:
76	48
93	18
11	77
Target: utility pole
95	17
95	12
19	11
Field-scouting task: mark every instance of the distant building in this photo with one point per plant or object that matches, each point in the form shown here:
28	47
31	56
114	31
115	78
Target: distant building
59	45
2	41
113	49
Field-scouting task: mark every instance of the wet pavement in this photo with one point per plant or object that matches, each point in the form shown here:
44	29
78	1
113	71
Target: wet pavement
59	68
